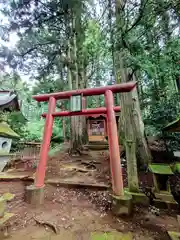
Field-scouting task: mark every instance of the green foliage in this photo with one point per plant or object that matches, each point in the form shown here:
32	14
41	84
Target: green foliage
163	112
34	131
17	122
3	116
159	115
146	33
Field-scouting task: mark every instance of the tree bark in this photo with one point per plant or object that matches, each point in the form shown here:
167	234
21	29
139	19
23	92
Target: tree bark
80	38
127	131
126	120
142	146
76	123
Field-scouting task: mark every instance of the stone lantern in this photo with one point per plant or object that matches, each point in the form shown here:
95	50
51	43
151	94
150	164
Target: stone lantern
6	137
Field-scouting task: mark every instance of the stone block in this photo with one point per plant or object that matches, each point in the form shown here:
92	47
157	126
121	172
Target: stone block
34	195
122	205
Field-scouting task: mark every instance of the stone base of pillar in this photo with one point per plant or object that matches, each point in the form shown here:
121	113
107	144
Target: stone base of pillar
122	205
34	195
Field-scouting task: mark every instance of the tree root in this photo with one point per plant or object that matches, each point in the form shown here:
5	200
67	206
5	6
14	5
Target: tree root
75	152
48	224
78	151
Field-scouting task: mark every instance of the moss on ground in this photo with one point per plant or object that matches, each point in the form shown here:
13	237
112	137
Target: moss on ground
111	236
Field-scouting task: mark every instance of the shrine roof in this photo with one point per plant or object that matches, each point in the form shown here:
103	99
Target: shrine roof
99	115
173	126
164	169
96	116
6	131
8	100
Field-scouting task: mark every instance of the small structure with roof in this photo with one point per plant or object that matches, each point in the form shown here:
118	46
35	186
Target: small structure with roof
161	173
97	127
173	127
6	137
9	101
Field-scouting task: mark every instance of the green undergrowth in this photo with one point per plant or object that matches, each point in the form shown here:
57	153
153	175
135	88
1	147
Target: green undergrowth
55	149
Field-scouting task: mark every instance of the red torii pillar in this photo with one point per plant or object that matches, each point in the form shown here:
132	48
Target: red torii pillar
115	163
41	169
115	160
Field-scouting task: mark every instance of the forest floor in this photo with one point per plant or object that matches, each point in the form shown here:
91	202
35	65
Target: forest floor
80	213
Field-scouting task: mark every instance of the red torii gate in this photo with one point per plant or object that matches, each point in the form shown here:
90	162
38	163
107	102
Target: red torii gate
115	164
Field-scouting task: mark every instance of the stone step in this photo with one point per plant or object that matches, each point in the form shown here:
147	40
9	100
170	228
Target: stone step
98	143
97	146
77	184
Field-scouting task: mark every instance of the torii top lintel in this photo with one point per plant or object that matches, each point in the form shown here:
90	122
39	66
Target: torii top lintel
123	87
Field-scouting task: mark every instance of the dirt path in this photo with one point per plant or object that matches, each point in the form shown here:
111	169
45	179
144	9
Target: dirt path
78	214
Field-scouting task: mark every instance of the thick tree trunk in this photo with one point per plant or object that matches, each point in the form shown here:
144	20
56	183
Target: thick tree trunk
76	121
127	131
143	151
76	135
64	127
82	84
133	183
84	124
80	37
126	127
131	127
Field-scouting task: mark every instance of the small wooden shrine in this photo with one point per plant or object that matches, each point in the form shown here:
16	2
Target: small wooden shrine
161	173
9	101
6	137
97	127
